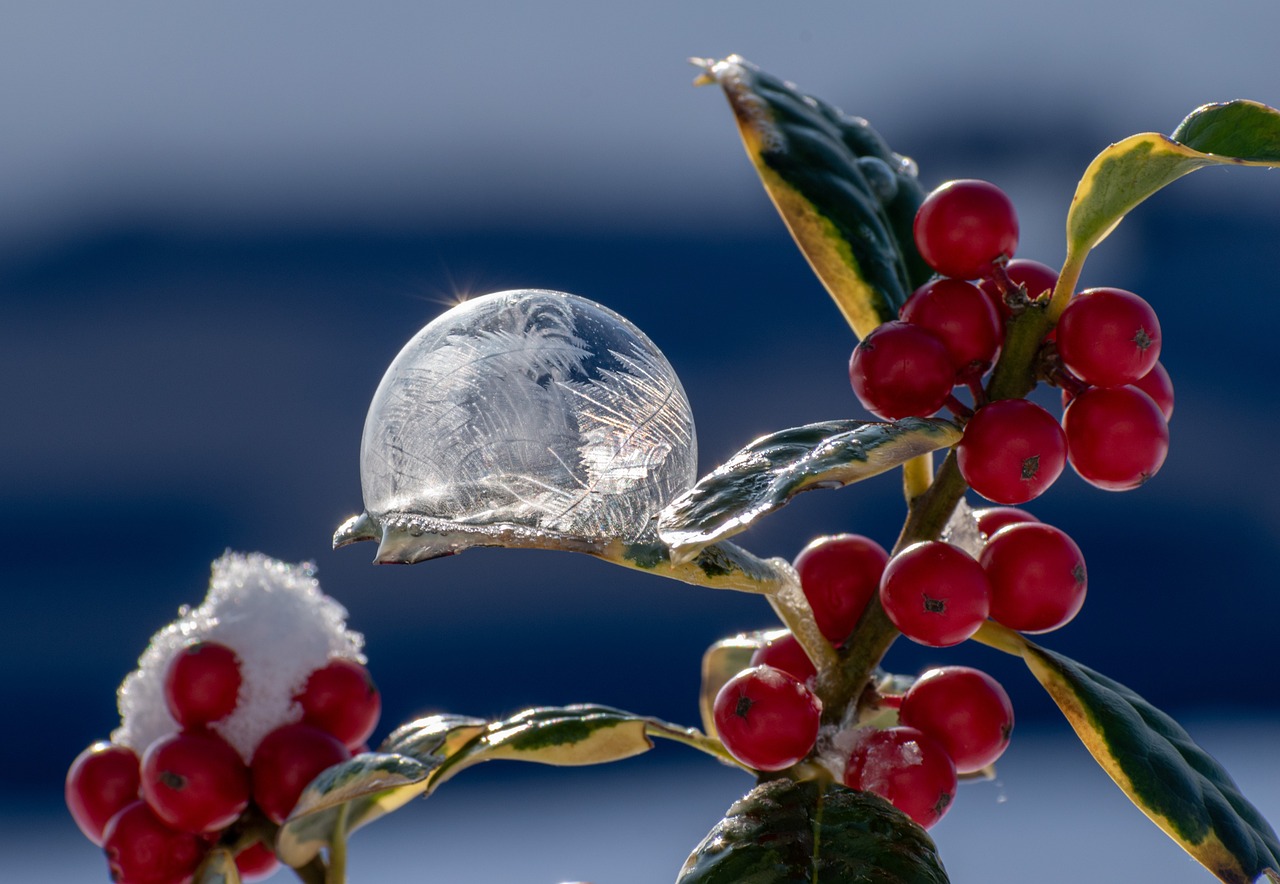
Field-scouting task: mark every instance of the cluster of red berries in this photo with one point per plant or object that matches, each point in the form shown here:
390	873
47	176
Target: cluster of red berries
1103	353
953	720
158	816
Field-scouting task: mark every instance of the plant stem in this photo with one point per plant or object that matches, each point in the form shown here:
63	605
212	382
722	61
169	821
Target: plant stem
338	849
917	476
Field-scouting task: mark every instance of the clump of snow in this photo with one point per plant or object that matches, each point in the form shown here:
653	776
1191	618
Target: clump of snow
279	623
962	530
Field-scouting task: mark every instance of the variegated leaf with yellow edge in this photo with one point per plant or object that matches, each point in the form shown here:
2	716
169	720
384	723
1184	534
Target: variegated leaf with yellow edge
848	200
1238	133
1152	759
418	757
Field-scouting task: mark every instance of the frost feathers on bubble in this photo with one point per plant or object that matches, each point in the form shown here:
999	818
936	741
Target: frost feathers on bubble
531	408
280	625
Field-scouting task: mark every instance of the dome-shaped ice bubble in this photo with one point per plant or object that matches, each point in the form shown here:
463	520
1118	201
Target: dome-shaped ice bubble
517	417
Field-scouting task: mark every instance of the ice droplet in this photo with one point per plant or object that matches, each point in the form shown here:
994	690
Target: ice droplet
281	626
521	415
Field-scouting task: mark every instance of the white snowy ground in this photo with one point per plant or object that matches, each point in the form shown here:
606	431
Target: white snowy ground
1051	817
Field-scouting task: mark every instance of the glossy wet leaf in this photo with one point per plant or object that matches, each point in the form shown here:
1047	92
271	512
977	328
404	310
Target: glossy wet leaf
418	757
784	832
848	200
770	471
1240	133
1155	762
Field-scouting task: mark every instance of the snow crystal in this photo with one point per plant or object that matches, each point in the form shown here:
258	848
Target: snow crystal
279	623
962	530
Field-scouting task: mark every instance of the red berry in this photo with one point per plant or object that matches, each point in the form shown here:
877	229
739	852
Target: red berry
1012	451
766	718
1037	278
1117	438
964	227
992	519
101	781
341	698
962	318
935	593
784	652
1159	386
907	768
899	370
195	781
839	574
965	710
1037	575
141	849
1108	337
202	683
257	861
287	760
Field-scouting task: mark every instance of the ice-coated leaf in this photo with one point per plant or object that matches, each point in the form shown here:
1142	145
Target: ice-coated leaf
848	200
1155	762
218	867
368	786
775	468
784	832
416	758
1242	133
524	417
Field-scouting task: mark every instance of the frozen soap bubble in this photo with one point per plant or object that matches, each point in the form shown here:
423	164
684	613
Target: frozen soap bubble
521	418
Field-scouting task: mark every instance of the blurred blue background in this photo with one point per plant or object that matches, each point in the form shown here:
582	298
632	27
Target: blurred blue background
219	224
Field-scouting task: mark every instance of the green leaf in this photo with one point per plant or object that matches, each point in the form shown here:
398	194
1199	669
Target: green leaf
770	471
784	832
1242	133
848	200
1152	759
218	867
418	757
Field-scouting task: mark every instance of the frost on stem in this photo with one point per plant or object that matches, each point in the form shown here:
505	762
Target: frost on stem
278	622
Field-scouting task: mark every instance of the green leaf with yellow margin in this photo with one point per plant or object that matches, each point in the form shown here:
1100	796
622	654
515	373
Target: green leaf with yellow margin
788	832
1152	759
848	200
1240	133
218	867
771	470
420	756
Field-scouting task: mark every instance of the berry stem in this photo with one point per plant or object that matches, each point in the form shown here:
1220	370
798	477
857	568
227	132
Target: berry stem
917	475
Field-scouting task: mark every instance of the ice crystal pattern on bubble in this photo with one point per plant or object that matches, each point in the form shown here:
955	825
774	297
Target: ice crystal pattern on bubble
531	408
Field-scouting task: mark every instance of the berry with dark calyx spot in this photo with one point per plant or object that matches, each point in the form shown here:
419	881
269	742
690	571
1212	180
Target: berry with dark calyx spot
962	317
102	780
287	760
935	593
202	683
141	849
1037	574
766	718
195	781
341	698
1117	437
906	767
964	227
900	370
1012	451
785	652
965	710
1035	277
1159	386
992	519
257	861
839	574
1108	337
